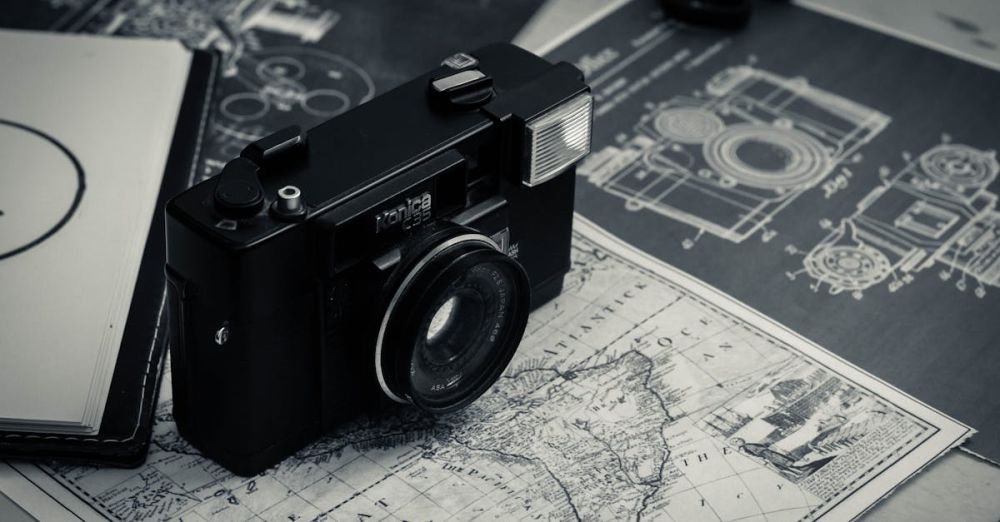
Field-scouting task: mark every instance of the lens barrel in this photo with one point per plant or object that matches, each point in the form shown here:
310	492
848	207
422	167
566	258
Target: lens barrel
452	324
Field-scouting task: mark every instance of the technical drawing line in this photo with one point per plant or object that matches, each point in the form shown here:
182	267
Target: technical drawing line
736	154
936	209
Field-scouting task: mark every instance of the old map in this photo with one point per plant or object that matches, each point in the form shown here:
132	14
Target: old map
639	393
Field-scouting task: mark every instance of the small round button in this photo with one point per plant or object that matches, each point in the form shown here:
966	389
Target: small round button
289	205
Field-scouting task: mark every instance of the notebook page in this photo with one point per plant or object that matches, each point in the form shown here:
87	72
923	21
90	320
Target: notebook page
86	128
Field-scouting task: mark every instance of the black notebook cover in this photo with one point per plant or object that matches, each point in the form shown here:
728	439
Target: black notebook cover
123	438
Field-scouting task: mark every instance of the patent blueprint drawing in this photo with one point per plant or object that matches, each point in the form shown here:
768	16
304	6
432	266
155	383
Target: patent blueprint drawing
636	394
934	212
727	160
715	151
271	73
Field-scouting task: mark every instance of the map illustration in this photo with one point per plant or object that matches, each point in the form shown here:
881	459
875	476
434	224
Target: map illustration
888	243
637	394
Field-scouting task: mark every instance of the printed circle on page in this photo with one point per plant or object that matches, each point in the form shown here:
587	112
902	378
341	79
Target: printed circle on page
41	184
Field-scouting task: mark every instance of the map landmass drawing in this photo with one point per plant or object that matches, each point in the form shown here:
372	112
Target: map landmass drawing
637	393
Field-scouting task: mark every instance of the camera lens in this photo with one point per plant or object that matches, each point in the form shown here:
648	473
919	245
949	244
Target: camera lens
453	324
476	306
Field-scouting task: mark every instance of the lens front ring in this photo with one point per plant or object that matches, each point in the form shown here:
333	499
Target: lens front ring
404	364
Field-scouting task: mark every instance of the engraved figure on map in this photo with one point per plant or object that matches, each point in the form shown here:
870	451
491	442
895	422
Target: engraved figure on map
936	209
728	159
779	460
797	421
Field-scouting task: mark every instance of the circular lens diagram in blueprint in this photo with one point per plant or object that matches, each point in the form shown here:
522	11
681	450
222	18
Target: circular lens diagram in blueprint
285	86
41	185
688	124
767	157
959	165
848	267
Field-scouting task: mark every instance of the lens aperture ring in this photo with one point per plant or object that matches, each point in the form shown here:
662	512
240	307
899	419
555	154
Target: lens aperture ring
487	294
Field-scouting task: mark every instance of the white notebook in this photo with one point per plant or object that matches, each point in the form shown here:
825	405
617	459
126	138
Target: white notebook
86	124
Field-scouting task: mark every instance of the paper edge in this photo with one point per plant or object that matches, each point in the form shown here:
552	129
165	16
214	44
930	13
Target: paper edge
833	12
579	27
950	434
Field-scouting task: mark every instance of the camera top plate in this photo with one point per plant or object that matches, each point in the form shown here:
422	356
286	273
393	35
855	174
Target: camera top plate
361	149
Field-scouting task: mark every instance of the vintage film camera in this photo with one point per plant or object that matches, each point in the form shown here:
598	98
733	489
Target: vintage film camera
390	254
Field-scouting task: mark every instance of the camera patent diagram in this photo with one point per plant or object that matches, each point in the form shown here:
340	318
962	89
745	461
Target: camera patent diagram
270	72
389	255
936	209
727	160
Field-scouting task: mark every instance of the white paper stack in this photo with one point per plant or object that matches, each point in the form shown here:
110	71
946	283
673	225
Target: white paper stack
86	124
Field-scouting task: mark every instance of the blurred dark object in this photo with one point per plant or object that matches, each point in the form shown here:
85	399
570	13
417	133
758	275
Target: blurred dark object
726	14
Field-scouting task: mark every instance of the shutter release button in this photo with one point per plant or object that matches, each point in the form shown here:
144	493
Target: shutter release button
238	192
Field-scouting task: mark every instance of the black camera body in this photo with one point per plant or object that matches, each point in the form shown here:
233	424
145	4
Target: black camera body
391	254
